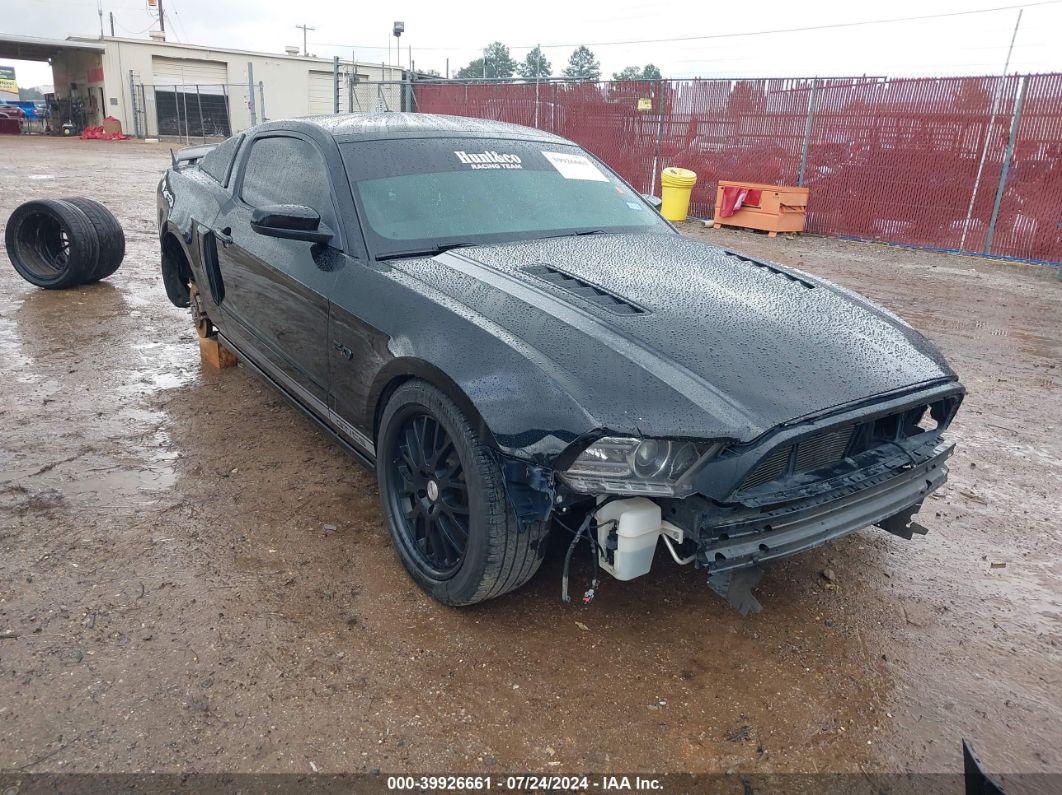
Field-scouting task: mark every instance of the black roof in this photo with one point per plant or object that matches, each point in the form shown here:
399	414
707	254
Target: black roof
377	126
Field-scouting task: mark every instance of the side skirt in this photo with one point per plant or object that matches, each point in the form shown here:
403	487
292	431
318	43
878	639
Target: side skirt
362	457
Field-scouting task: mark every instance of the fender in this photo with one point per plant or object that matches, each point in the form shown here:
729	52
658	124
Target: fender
396	371
529	488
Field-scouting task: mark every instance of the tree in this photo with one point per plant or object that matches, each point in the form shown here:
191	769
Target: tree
473	71
628	73
535	66
30	94
497	62
582	65
650	72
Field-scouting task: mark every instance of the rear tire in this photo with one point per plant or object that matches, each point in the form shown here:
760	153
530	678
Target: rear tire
110	234
460	541
51	243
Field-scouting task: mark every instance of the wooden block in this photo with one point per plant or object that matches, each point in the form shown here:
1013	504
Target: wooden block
212	352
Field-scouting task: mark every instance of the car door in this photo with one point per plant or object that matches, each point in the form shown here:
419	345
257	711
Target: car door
276	290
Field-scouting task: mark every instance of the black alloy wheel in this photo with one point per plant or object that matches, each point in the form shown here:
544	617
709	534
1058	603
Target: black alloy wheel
430	494
444	497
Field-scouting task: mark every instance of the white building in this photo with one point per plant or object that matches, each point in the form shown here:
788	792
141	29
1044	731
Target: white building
157	87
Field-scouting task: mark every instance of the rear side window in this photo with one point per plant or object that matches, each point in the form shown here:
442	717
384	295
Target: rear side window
218	160
287	171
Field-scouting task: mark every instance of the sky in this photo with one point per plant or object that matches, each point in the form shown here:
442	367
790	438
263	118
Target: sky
972	43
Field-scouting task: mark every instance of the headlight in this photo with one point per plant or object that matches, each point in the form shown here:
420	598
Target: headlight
620	465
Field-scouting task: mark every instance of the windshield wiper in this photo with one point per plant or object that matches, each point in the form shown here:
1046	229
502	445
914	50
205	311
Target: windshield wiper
427	251
431	251
578	234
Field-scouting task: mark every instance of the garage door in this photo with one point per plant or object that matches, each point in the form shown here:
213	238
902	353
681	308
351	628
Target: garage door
210	76
320	93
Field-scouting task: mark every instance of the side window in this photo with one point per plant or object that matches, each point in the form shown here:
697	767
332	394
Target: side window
287	171
217	161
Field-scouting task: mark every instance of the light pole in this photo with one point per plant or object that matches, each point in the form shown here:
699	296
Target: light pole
398	30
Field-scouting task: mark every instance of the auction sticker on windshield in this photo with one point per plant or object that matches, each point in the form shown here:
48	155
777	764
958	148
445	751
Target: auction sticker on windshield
575	166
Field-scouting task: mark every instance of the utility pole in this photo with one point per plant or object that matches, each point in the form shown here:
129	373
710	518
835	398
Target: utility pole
304	28
162	21
996	101
250	94
99	8
112	24
1014	36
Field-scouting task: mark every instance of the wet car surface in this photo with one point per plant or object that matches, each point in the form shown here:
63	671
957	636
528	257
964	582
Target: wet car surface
511	336
176	596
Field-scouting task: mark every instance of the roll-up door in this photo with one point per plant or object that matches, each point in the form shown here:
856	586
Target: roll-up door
320	93
210	76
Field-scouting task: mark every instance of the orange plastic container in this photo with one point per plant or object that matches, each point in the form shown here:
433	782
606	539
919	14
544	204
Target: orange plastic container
782	208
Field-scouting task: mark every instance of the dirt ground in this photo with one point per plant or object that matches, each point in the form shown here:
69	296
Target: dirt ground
172	598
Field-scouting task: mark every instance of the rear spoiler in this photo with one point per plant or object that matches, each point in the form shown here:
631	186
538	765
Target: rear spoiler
189	156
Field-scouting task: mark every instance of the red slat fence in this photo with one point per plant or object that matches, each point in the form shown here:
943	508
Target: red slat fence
962	163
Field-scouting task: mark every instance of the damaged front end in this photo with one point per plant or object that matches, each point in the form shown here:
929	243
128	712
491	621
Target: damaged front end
729	508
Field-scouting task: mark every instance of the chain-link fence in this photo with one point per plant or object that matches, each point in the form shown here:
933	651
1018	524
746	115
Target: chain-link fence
966	163
359	93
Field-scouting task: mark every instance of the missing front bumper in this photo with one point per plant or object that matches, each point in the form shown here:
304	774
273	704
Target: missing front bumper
732	542
792	529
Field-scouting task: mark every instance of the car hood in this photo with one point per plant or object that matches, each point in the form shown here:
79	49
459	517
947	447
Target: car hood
662	335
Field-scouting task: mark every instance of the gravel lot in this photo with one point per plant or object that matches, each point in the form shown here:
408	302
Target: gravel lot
171	600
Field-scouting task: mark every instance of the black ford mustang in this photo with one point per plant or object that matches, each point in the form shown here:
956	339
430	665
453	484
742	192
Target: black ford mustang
517	341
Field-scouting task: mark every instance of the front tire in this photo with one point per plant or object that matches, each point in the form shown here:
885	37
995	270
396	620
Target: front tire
443	494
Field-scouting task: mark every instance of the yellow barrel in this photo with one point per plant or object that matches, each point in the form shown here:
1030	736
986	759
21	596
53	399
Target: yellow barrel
676	185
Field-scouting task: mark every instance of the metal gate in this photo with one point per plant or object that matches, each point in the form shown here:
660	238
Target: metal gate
188	112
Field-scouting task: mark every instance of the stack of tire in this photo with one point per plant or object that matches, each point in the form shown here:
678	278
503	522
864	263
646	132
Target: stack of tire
57	243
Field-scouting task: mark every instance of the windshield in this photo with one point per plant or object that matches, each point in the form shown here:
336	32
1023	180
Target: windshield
423	195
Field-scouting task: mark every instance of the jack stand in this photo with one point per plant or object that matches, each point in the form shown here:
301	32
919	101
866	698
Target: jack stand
213	353
736	587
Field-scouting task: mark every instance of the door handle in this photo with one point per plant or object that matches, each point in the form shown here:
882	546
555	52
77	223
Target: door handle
348	354
224	235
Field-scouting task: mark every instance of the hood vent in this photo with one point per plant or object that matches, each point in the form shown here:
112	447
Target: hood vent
772	268
595	295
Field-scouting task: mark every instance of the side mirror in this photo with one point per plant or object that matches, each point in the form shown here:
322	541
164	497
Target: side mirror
290	222
656	201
